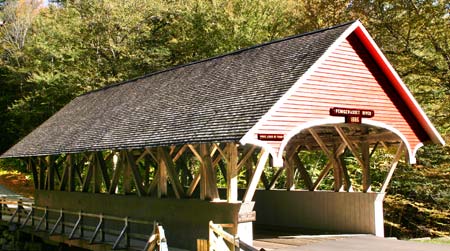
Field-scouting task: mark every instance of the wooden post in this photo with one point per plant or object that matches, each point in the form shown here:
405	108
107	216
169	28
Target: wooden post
162	177
344	171
51	172
208	179
366	182
136	174
256	176
232	173
42	168
171	172
395	161
126	172
290	175
32	165
71	172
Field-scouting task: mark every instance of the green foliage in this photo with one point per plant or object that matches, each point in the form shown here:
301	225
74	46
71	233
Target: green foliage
50	55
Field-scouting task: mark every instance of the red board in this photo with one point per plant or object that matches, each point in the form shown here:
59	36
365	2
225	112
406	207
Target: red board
270	137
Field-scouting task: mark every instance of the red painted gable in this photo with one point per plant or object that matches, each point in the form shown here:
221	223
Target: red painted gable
348	76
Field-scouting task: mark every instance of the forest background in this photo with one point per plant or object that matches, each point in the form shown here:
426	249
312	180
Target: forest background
51	54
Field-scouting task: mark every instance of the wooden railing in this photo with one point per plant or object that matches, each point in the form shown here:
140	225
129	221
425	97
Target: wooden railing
94	228
221	240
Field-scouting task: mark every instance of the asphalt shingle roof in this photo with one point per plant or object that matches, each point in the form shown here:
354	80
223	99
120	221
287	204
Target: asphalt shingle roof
213	100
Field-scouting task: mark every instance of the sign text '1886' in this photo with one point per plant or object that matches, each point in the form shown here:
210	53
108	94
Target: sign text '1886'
352	115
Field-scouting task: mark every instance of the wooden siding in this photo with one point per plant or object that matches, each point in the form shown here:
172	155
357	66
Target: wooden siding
346	213
349	77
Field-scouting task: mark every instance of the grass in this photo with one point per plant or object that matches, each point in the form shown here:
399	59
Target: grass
444	240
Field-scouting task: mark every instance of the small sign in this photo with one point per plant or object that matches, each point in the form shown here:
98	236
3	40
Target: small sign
247	217
352	116
270	137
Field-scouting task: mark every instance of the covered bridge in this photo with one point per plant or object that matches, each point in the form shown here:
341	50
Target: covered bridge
155	147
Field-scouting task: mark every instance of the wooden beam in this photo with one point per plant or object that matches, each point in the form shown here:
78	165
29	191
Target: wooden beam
222	152
96	175
104	170
136	174
320	143
349	144
250	192
162	177
51	172
154	184
208	181
290	167
179	153
196	154
322	175
265	181
65	175
34	171
296	161
194	184
87	178
247	154
71	173
142	156
248	171
345	174
115	178
232	172
275	178
366	181
42	169
394	164
171	172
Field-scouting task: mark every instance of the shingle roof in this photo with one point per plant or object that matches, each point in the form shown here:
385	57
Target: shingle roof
213	100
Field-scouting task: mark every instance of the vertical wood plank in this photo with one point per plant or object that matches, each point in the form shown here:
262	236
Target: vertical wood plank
42	168
209	183
171	172
96	175
232	173
162	177
303	172
104	170
51	172
115	178
34	171
71	172
366	182
395	161
250	192
65	175
126	178
136	174
88	178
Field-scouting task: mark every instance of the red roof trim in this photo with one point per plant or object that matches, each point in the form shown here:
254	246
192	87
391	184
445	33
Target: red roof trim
398	84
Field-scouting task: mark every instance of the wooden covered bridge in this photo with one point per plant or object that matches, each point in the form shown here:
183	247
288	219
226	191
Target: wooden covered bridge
154	148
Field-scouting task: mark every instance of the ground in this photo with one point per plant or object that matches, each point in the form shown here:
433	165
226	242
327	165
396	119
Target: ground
17	182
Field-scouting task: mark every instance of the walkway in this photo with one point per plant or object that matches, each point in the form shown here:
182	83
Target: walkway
343	243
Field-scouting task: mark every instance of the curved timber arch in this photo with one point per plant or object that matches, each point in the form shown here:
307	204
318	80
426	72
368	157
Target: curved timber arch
339	121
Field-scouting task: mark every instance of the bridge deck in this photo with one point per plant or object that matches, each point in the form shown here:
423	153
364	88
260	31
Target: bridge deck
341	243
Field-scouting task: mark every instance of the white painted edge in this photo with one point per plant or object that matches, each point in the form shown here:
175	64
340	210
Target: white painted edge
429	128
249	138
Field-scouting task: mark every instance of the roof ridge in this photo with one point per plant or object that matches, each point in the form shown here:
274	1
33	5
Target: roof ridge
220	56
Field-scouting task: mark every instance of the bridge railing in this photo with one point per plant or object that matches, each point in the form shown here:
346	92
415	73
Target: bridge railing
221	240
120	232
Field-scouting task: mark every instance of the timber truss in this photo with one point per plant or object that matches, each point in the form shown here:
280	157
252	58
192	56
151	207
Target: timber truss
192	171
